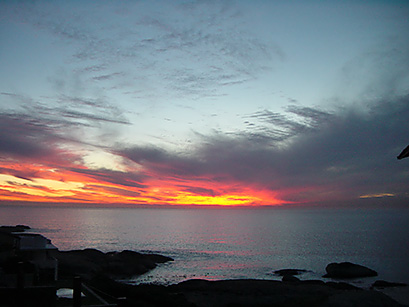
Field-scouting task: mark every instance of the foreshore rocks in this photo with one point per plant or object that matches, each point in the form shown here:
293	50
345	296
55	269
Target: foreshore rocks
348	270
90	262
291	291
246	292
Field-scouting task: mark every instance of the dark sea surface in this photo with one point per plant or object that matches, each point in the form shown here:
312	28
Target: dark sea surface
233	243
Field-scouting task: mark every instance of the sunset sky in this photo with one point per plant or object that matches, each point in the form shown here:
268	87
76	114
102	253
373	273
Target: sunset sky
204	102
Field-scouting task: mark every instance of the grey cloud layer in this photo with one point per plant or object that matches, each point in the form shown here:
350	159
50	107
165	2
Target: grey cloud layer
340	154
24	137
37	128
322	156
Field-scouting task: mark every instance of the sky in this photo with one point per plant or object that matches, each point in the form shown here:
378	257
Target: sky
255	103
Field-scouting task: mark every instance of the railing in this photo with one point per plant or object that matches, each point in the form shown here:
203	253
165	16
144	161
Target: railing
78	286
46	296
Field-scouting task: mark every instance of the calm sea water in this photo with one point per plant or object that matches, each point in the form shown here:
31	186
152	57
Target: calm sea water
232	243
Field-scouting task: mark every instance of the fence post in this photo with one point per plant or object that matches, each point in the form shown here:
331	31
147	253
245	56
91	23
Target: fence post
19	299
20	275
77	291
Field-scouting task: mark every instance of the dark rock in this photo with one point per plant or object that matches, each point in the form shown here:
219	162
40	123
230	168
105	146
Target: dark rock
293	272
92	262
127	255
245	292
348	270
23	227
129	263
387	284
274	293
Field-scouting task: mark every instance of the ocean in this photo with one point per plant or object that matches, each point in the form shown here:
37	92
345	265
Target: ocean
218	243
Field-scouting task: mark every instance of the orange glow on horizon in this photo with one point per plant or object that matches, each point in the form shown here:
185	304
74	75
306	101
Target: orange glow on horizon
37	183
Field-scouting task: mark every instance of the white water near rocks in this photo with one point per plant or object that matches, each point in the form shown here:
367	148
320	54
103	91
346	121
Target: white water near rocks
232	243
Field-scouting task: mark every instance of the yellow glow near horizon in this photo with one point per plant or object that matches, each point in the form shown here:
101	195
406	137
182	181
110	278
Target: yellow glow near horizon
222	200
8	179
172	195
62	186
59	185
38	186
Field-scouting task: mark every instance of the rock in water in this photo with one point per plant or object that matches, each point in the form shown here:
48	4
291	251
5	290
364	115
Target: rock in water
292	272
91	262
348	270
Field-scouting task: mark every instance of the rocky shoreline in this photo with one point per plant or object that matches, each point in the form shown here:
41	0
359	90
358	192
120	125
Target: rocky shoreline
101	272
116	265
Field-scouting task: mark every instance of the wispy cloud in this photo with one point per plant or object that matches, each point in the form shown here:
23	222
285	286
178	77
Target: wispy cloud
193	50
63	110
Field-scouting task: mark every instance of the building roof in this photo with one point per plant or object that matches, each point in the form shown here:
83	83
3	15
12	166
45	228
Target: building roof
31	241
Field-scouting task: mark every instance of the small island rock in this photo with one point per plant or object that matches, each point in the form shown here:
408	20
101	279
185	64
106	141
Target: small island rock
286	272
348	270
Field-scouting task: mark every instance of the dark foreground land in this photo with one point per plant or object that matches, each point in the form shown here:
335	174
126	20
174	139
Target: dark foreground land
98	272
248	293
